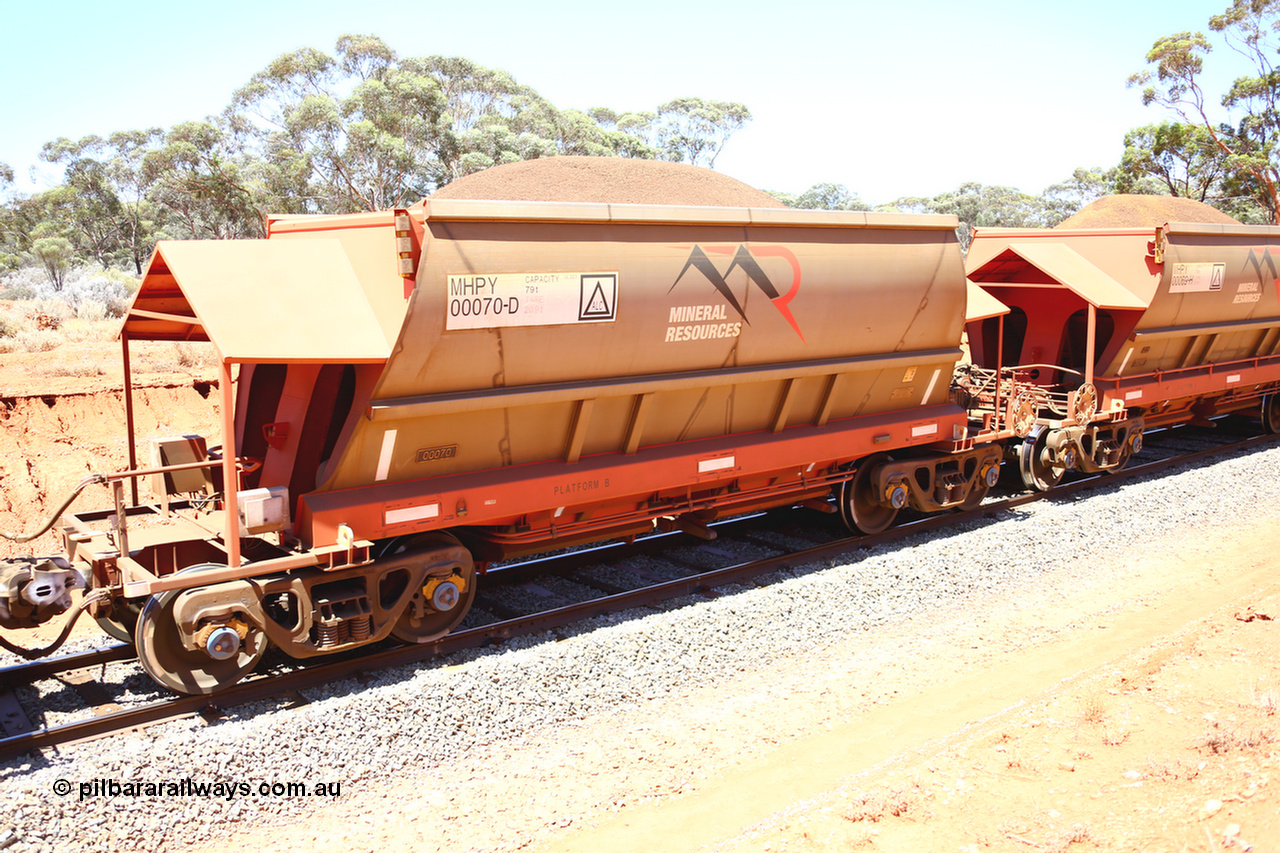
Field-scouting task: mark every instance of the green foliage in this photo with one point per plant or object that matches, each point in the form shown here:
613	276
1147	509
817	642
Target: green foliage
209	188
1173	158
103	203
359	129
980	206
694	131
1066	198
55	255
338	133
628	134
9	233
1233	153
365	129
825	196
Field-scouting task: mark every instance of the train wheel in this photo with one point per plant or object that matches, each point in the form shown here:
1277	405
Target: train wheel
119	621
441	603
1037	471
1271	414
169	662
860	507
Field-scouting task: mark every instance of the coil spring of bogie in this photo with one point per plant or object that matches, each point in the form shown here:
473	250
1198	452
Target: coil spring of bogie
332	634
336	633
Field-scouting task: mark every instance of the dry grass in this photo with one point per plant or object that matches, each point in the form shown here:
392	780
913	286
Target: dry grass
1266	698
79	368
1058	842
1115	733
898	801
1169	770
180	357
1061	840
30	341
44	325
189	354
1093	708
1095	711
1220	740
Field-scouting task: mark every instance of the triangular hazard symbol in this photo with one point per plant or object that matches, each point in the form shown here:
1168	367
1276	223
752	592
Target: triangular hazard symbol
597	305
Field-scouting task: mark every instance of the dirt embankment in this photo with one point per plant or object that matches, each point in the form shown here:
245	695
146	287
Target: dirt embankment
50	442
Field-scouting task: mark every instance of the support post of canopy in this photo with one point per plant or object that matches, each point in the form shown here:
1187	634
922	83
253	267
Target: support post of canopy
1090	340
230	480
999	369
128	415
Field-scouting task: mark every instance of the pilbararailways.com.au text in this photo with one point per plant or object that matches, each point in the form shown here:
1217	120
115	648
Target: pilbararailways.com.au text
228	790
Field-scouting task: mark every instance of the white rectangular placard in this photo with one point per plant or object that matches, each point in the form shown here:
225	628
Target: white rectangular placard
1197	278
501	300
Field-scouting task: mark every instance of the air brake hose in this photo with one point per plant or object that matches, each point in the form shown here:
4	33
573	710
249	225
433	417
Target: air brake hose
84	484
76	610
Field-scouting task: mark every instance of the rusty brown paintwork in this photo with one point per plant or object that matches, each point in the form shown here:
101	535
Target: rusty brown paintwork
682	364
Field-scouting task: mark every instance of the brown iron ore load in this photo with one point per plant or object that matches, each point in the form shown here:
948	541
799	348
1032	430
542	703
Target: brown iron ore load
607	180
1145	211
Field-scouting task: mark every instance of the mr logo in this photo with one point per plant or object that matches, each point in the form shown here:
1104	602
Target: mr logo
1260	258
746	260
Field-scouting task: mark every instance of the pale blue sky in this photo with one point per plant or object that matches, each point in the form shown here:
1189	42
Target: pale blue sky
890	99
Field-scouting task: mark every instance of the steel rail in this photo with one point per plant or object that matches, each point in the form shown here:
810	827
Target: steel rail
272	686
17	675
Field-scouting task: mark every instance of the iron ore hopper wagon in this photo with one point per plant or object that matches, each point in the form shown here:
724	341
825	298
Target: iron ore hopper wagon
1111	331
408	396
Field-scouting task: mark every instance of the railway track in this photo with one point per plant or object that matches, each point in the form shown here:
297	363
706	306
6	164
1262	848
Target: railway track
618	577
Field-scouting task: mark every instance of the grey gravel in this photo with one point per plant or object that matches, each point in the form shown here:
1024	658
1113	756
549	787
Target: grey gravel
362	735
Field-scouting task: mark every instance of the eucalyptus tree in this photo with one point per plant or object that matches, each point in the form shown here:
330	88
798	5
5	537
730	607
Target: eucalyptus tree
829	196
1066	198
312	132
209	188
695	131
353	131
1172	158
54	252
978	205
9	258
628	134
488	118
1246	127
106	191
